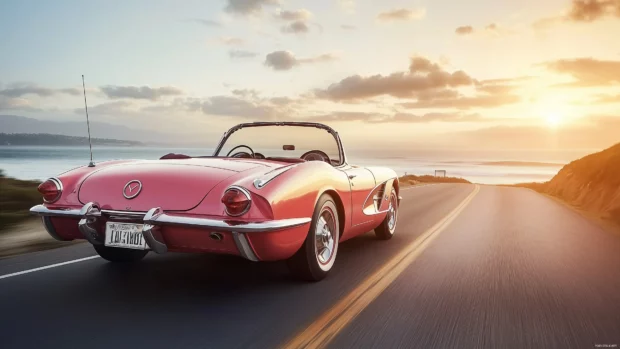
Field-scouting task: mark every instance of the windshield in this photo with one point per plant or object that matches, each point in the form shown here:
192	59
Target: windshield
282	142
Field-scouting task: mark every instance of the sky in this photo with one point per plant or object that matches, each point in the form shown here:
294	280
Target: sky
481	73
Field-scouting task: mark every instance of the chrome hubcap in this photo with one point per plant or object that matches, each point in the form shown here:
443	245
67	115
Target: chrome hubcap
324	235
392	214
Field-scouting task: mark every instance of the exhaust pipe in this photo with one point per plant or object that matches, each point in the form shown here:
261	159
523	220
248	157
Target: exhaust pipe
216	236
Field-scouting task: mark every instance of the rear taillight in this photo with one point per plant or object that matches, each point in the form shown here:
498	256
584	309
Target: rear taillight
237	201
51	190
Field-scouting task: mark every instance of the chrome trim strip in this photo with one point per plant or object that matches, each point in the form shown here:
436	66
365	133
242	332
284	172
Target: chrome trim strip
41	210
259	183
243	245
155	216
49	227
241	227
136	214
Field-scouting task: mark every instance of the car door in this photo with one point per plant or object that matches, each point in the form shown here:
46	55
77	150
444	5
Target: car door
361	182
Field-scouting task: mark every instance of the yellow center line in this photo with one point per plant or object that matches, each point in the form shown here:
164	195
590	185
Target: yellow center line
328	325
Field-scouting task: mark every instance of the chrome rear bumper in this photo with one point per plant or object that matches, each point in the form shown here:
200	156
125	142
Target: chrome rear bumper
155	217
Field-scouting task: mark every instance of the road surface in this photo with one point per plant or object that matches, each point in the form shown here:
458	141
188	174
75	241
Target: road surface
502	268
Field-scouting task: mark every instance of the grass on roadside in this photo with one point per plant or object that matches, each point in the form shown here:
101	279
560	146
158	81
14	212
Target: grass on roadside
16	198
413	180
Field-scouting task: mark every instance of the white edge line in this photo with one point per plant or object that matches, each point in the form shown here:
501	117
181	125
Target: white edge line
47	267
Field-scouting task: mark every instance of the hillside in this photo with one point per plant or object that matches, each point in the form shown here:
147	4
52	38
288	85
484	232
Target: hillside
46	139
591	183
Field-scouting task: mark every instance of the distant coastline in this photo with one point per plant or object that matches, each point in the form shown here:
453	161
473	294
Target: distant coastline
521	163
46	139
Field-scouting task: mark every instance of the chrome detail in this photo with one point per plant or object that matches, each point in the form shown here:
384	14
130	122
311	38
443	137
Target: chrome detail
247	195
216	236
154	244
59	187
152	214
41	210
90	212
123	214
376	198
324	237
392	214
49	227
259	183
341	153
224	225
139	189
156	217
243	245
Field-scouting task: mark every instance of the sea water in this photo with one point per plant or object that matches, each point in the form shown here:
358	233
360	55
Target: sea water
488	166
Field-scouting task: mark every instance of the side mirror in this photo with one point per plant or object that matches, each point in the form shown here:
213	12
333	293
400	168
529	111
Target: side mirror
288	147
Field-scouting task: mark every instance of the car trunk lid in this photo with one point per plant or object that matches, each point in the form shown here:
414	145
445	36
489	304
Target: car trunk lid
172	185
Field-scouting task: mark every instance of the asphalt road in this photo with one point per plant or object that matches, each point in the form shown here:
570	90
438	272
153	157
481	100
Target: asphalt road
514	269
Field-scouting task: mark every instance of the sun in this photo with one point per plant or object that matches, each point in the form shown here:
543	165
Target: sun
553	119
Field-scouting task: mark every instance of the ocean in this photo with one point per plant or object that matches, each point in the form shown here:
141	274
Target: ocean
486	167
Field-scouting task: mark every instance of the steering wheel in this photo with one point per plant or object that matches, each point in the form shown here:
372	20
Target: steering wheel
314	155
241	153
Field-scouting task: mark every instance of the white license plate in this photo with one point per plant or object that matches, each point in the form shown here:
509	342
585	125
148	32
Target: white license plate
125	235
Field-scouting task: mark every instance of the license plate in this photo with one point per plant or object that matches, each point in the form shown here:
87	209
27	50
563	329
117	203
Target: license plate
125	235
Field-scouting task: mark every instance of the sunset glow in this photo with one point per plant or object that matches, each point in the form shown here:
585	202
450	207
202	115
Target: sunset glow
423	75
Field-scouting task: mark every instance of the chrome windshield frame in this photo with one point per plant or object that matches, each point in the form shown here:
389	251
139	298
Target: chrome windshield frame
227	134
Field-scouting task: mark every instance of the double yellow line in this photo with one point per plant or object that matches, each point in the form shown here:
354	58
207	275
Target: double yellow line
326	327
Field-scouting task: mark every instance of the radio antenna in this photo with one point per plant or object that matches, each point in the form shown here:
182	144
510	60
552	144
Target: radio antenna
90	144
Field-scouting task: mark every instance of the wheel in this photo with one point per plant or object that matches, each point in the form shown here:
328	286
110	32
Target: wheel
316	257
120	255
386	229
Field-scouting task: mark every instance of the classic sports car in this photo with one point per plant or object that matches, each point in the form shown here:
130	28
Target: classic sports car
271	191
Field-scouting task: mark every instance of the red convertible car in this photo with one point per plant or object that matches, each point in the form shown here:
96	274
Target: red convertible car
271	191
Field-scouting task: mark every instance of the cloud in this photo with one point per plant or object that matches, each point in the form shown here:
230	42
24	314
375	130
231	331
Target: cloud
607	99
14	103
108	108
376	118
326	57
248	7
206	22
233	106
402	14
464	102
581	11
242	54
281	60
246	93
231	41
587	72
347	6
22	89
348	27
295	27
465	30
590	132
591	10
139	92
281	100
286	60
297	15
423	75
